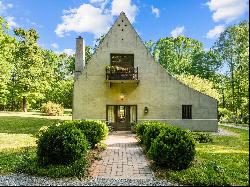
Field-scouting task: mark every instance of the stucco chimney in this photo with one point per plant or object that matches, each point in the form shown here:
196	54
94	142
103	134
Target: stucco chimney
80	55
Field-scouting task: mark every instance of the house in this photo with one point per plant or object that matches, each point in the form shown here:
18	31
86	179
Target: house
122	84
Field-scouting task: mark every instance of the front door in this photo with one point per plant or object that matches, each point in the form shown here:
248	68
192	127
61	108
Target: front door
121	116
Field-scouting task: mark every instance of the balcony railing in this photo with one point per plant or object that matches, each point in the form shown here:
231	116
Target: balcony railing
122	73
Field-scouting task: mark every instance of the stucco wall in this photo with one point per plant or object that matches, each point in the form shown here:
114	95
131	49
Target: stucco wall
157	90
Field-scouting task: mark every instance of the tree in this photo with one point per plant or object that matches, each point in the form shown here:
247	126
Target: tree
7	46
176	54
28	67
150	45
199	84
205	64
233	48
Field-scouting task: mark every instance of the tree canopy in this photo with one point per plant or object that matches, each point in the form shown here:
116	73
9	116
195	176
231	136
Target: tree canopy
31	75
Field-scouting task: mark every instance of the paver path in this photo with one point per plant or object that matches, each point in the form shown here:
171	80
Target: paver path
123	159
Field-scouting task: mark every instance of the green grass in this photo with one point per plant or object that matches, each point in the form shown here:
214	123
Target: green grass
23	125
18	147
16	135
28	163
223	162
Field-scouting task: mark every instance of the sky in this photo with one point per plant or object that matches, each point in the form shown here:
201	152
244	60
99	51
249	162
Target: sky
59	22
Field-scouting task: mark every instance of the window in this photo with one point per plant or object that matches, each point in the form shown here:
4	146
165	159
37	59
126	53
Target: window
133	114
111	114
186	111
122	60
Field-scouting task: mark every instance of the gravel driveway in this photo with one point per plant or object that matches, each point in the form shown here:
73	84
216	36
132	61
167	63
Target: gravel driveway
25	180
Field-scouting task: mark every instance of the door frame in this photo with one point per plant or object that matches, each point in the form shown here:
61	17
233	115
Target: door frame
115	124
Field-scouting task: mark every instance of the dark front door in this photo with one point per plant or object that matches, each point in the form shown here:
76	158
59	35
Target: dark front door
121	116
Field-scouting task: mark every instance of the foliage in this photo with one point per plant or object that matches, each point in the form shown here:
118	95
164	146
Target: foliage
94	130
202	137
225	161
199	84
30	75
52	109
61	144
28	164
185	55
7	47
114	69
151	132
233	48
225	115
150	45
173	148
140	128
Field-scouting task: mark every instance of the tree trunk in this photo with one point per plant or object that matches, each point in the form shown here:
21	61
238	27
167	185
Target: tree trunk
24	104
223	99
232	84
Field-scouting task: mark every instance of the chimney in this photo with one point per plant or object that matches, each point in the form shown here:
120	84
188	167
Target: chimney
80	55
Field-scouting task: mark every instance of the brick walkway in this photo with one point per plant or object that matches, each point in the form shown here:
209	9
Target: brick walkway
123	159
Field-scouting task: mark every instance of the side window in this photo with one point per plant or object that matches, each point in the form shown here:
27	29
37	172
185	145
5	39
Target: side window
186	111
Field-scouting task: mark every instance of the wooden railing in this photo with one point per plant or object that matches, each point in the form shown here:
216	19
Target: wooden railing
125	74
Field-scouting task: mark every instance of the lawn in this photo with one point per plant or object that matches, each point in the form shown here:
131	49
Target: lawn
225	161
16	135
18	146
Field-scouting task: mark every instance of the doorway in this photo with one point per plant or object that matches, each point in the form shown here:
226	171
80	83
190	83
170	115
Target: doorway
121	116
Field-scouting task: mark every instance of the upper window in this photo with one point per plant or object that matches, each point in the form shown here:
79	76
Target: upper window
186	111
122	60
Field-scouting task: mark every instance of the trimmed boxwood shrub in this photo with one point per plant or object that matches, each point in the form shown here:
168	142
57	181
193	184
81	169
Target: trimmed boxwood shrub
151	132
94	130
61	144
202	137
173	148
140	129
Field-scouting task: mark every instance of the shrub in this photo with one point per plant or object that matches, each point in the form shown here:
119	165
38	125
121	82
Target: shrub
140	129
173	148
151	132
202	137
61	144
52	109
94	130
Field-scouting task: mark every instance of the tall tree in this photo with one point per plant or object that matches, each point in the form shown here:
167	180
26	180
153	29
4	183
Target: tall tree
233	48
28	67
7	46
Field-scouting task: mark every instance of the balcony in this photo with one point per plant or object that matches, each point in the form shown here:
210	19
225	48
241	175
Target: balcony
115	74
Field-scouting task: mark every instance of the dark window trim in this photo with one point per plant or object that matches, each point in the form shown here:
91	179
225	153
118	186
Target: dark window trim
186	111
